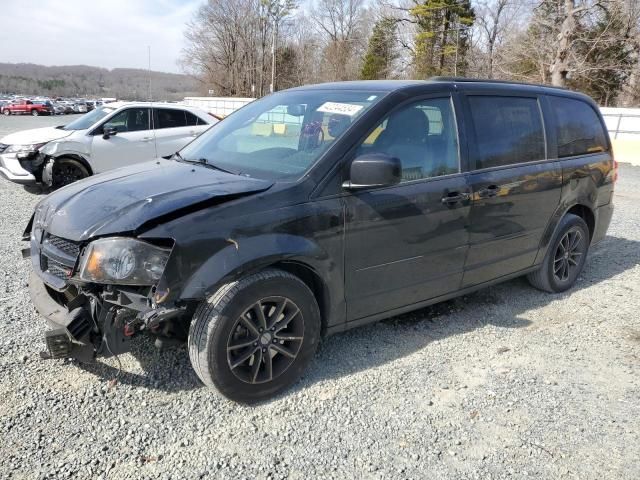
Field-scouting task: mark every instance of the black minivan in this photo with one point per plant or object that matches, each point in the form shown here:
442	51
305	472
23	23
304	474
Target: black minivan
318	209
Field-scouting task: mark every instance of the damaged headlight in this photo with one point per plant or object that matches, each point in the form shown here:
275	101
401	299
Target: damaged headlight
24	151
125	261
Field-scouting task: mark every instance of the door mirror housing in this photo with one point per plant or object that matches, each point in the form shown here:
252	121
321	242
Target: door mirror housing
108	132
374	170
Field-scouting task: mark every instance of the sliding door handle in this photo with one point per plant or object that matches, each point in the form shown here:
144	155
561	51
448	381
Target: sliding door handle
452	198
490	191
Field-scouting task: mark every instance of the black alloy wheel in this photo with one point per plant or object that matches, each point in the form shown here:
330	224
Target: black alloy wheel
568	255
265	340
66	171
565	257
255	336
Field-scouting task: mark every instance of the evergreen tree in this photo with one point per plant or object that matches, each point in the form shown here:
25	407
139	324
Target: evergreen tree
442	39
381	51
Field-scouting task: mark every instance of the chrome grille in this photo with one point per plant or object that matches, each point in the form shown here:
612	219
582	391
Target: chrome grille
67	246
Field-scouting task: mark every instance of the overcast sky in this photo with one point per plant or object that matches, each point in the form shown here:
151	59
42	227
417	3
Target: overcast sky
102	33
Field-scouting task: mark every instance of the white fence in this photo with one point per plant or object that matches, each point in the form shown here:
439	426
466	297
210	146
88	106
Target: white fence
622	123
219	106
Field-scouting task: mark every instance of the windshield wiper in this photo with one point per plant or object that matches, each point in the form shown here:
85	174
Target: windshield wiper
205	163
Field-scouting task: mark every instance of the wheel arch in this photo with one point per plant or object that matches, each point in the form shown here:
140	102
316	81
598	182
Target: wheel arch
298	256
47	168
583	211
313	280
578	208
76	157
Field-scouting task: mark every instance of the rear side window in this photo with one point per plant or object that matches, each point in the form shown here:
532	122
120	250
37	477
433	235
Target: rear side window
508	130
193	120
170	118
578	127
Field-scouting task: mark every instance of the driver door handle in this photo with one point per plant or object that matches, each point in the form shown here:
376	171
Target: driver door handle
147	139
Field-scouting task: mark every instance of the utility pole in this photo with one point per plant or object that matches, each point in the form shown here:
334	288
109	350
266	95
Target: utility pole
149	73
272	87
455	65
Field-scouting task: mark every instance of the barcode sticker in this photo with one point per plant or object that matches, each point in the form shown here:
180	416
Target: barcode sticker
340	108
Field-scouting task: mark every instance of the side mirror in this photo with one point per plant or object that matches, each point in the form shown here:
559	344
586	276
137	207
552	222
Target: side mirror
374	170
108	132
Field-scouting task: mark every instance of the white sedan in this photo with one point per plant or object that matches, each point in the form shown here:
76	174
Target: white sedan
111	136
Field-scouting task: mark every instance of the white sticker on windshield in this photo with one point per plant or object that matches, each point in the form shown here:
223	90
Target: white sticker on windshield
340	108
372	98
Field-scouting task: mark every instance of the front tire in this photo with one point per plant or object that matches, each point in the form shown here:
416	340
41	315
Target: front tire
6	112
66	171
35	113
565	257
254	337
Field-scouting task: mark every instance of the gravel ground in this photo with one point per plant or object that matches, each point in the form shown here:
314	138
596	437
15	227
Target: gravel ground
15	123
508	382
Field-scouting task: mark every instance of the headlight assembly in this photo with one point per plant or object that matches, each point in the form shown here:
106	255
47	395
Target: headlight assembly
24	149
124	261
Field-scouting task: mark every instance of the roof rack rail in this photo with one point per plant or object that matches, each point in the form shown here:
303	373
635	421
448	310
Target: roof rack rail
486	80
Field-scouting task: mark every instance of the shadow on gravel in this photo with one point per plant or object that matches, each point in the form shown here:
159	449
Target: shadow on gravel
377	344
167	370
500	305
36	189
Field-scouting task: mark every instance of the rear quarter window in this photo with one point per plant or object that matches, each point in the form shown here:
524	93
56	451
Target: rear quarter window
193	120
508	130
578	127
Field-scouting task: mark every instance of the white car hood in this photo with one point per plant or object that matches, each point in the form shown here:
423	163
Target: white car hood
35	135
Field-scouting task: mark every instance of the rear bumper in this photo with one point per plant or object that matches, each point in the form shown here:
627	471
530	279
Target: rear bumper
603	216
11	169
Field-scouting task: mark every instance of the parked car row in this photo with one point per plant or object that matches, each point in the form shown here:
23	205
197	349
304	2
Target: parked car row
46	106
110	136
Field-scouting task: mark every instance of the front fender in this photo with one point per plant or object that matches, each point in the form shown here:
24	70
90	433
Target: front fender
222	243
246	255
61	148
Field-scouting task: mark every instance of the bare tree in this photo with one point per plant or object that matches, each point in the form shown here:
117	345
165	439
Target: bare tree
229	44
494	21
341	25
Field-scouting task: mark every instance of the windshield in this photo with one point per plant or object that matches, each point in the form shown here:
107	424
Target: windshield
280	137
85	121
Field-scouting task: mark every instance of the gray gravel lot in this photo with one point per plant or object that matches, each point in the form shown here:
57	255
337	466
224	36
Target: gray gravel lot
508	382
15	123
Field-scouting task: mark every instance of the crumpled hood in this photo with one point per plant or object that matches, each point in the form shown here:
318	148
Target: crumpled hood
35	135
122	200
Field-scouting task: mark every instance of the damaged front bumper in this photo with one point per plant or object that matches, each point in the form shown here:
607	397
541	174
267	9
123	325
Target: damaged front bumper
97	324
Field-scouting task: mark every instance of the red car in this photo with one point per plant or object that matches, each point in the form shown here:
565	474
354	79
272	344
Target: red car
27	106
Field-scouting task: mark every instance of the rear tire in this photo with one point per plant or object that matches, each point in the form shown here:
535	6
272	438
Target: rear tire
565	256
249	356
35	113
6	112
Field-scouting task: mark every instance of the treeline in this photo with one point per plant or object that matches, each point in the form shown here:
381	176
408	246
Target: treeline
85	81
589	45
